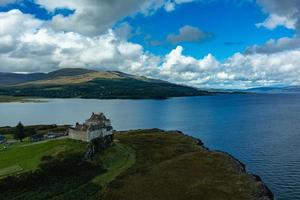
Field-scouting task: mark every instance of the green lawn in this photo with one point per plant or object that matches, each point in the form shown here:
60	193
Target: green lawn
21	157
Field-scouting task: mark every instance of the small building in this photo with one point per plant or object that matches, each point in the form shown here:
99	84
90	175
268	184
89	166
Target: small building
96	126
2	139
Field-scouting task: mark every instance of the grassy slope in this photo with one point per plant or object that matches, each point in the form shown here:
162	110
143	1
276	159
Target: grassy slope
115	160
146	164
82	78
172	166
124	88
23	157
100	85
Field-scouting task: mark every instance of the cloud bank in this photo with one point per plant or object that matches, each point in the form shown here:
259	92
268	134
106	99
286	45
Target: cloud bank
281	13
28	44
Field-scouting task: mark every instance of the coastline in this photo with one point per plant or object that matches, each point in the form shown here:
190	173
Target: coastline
21	99
264	193
37	99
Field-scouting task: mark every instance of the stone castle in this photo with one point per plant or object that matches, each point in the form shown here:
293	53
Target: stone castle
95	127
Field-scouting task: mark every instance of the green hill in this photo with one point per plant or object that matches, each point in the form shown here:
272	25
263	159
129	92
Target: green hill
81	83
67	72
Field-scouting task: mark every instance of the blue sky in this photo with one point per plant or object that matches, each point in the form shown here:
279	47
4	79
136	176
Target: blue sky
214	43
232	25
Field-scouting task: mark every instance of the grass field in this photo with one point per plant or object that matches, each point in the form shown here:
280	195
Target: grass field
173	166
21	157
73	79
142	164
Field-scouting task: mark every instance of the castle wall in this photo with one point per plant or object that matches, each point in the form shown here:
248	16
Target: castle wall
99	133
78	135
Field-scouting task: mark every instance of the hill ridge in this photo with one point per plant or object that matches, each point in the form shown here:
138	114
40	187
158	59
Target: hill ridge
83	83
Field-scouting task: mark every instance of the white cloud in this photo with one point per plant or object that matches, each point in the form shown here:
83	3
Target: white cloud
15	22
46	50
12	24
265	69
225	76
6	43
124	31
170	5
27	44
90	17
273	46
281	13
186	69
188	34
93	17
274	20
238	71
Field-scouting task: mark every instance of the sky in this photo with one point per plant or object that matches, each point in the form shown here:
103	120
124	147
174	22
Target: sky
229	44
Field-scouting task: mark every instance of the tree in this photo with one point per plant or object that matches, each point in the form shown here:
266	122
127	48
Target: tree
20	132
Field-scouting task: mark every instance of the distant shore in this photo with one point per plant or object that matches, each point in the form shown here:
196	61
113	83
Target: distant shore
37	99
11	99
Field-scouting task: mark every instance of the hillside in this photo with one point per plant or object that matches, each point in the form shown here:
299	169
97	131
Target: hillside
141	164
82	83
13	78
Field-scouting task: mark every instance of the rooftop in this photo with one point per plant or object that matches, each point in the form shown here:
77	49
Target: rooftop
96	121
97	117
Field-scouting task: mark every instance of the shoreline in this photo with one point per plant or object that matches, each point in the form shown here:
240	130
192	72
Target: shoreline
265	192
21	99
25	99
38	99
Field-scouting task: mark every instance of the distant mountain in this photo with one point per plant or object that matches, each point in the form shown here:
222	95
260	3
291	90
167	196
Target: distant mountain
287	89
13	78
82	83
16	78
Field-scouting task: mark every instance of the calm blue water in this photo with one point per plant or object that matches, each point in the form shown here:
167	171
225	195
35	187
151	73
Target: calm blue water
263	131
